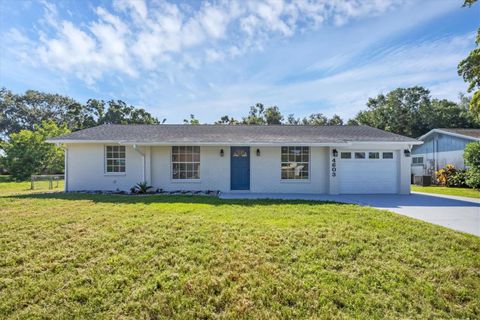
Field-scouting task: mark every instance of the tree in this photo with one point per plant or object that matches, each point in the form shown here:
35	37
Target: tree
316	119
469	69
24	111
335	121
411	112
291	120
472	154
27	153
273	115
255	116
227	120
120	113
191	121
18	112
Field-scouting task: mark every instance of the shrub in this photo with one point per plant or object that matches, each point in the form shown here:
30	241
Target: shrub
472	154
473	178
445	174
141	188
457	179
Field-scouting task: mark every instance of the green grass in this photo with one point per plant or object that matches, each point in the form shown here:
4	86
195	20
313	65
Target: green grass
117	257
462	192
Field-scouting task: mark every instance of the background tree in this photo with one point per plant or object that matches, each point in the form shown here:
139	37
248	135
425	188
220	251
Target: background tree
291	120
411	112
273	115
469	69
316	119
227	120
335	121
192	120
255	116
23	111
26	152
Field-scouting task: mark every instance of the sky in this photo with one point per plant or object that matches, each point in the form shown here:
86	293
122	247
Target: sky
215	58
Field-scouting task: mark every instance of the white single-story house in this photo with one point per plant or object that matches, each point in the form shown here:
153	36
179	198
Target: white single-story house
441	147
238	158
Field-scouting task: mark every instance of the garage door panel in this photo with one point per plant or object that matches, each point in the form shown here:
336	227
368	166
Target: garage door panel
359	176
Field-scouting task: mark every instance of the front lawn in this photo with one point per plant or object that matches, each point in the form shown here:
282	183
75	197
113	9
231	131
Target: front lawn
462	192
95	256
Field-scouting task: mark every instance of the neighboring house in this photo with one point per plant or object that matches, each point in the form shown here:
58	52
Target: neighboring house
441	147
229	158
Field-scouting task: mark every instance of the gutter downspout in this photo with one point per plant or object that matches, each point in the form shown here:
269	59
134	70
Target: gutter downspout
143	161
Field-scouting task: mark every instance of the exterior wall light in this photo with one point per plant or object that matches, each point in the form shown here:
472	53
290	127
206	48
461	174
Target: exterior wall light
258	152
221	153
335	153
406	153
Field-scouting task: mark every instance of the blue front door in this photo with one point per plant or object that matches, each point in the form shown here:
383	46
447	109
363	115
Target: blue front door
240	168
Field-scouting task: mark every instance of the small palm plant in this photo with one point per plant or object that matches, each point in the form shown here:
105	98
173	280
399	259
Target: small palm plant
141	188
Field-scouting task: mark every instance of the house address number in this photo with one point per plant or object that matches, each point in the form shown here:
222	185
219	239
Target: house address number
334	167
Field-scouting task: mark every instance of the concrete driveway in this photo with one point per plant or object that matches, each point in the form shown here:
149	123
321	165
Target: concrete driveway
458	213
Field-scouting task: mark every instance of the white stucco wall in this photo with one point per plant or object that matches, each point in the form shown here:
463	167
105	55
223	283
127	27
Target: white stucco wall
214	170
86	170
265	173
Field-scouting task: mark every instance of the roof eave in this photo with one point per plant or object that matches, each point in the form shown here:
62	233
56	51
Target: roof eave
230	143
448	133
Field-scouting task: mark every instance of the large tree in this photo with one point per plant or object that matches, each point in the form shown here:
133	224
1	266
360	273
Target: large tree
469	69
411	112
24	111
26	152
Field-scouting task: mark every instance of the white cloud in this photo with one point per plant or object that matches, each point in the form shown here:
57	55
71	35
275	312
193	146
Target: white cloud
148	35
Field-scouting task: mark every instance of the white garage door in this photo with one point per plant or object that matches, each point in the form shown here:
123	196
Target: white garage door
363	172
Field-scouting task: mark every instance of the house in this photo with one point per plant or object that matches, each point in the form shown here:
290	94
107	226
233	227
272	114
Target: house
274	159
441	147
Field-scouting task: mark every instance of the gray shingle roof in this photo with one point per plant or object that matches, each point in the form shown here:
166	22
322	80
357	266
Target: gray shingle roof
241	134
474	133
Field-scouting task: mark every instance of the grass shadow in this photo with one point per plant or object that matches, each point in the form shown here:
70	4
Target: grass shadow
152	199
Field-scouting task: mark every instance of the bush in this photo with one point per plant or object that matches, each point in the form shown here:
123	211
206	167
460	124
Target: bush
451	177
445	174
141	188
473	178
472	154
458	179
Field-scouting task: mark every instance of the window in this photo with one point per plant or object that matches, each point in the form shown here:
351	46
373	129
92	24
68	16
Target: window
359	155
115	159
417	160
295	162
387	155
185	162
346	155
374	155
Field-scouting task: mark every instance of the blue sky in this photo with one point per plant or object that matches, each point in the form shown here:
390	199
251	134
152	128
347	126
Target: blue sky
217	58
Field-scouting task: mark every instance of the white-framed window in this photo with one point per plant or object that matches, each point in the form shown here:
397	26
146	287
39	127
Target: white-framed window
417	161
345	155
295	163
115	159
387	155
359	155
185	162
374	155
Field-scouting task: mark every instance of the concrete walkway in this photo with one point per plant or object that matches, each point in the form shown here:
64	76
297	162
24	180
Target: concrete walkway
457	213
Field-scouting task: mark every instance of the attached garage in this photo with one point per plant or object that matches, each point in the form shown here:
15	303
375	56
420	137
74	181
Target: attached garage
368	172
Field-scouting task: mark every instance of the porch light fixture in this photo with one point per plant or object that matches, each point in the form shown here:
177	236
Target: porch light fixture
335	153
406	152
258	152
221	153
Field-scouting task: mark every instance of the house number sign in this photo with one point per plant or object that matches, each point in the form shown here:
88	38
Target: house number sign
334	167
